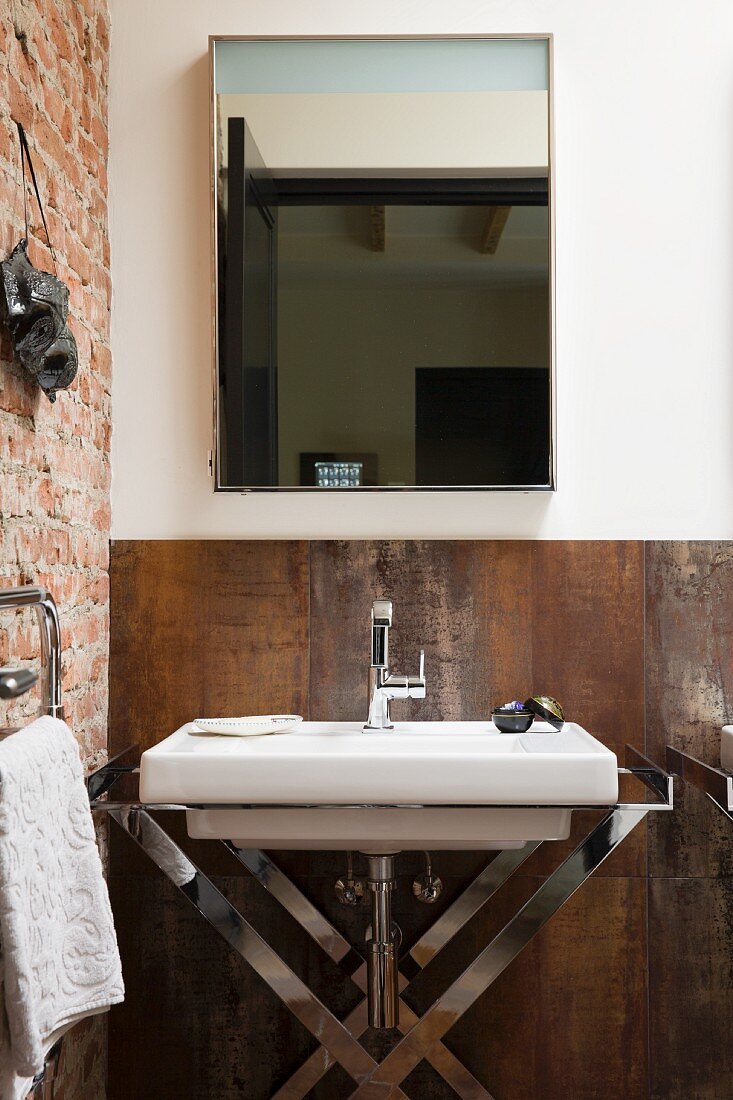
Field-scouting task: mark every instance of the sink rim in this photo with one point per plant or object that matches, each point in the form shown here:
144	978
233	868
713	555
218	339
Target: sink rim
314	766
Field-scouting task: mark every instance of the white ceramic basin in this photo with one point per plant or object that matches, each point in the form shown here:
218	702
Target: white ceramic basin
475	782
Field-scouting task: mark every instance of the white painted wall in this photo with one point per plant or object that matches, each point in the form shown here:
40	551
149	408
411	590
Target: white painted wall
644	159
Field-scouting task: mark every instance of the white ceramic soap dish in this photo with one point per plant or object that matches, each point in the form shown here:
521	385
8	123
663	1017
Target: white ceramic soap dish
255	725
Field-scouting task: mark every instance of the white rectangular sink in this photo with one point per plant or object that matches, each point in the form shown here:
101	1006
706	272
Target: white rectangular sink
448	767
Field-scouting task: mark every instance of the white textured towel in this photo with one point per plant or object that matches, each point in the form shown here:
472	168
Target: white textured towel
59	950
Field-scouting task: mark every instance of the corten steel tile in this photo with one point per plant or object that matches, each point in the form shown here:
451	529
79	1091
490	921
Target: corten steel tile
498	620
568	1017
689	662
466	603
197	1021
691	988
588	650
201	628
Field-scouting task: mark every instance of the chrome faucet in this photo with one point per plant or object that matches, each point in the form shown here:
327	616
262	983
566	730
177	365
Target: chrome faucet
384	686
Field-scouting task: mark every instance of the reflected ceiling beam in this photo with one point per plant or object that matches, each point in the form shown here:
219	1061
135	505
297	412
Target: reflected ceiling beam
378	235
496	219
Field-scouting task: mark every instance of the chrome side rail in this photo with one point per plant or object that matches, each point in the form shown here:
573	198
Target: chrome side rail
659	782
714	782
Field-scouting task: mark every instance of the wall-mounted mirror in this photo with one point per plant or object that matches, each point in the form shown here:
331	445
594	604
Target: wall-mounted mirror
382	263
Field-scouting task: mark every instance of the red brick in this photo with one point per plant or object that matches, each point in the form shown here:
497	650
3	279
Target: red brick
21	107
54	459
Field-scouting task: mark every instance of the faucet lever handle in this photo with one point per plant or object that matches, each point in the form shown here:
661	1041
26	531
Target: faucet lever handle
421	674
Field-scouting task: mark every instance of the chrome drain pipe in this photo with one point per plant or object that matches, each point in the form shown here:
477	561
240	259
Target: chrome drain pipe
382	946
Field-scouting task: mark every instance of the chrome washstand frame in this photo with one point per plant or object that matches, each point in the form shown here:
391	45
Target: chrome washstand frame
418	1037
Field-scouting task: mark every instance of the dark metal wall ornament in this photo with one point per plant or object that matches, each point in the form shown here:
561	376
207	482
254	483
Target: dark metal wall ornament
35	305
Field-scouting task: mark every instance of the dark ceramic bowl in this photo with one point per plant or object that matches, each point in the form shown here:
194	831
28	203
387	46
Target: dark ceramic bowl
512	721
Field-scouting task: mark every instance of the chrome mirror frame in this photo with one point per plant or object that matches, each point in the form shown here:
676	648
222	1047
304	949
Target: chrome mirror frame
214	454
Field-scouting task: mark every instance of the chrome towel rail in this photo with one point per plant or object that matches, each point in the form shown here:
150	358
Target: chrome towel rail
48	622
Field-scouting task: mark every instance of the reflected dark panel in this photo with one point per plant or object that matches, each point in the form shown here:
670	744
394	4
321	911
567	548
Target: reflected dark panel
248	381
482	425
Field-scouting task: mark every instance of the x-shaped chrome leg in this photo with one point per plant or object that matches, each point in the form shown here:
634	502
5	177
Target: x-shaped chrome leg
463	1083
383	1081
240	934
423	1039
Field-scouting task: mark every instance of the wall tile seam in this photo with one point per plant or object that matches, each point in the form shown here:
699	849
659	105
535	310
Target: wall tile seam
24	642
58	582
35	512
72	616
48	543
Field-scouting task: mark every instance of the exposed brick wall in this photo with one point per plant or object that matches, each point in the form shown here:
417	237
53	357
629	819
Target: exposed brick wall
54	459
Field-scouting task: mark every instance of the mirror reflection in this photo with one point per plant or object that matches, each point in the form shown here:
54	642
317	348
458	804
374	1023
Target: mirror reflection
383	278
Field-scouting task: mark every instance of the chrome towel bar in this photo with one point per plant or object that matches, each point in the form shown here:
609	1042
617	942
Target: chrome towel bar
48	622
